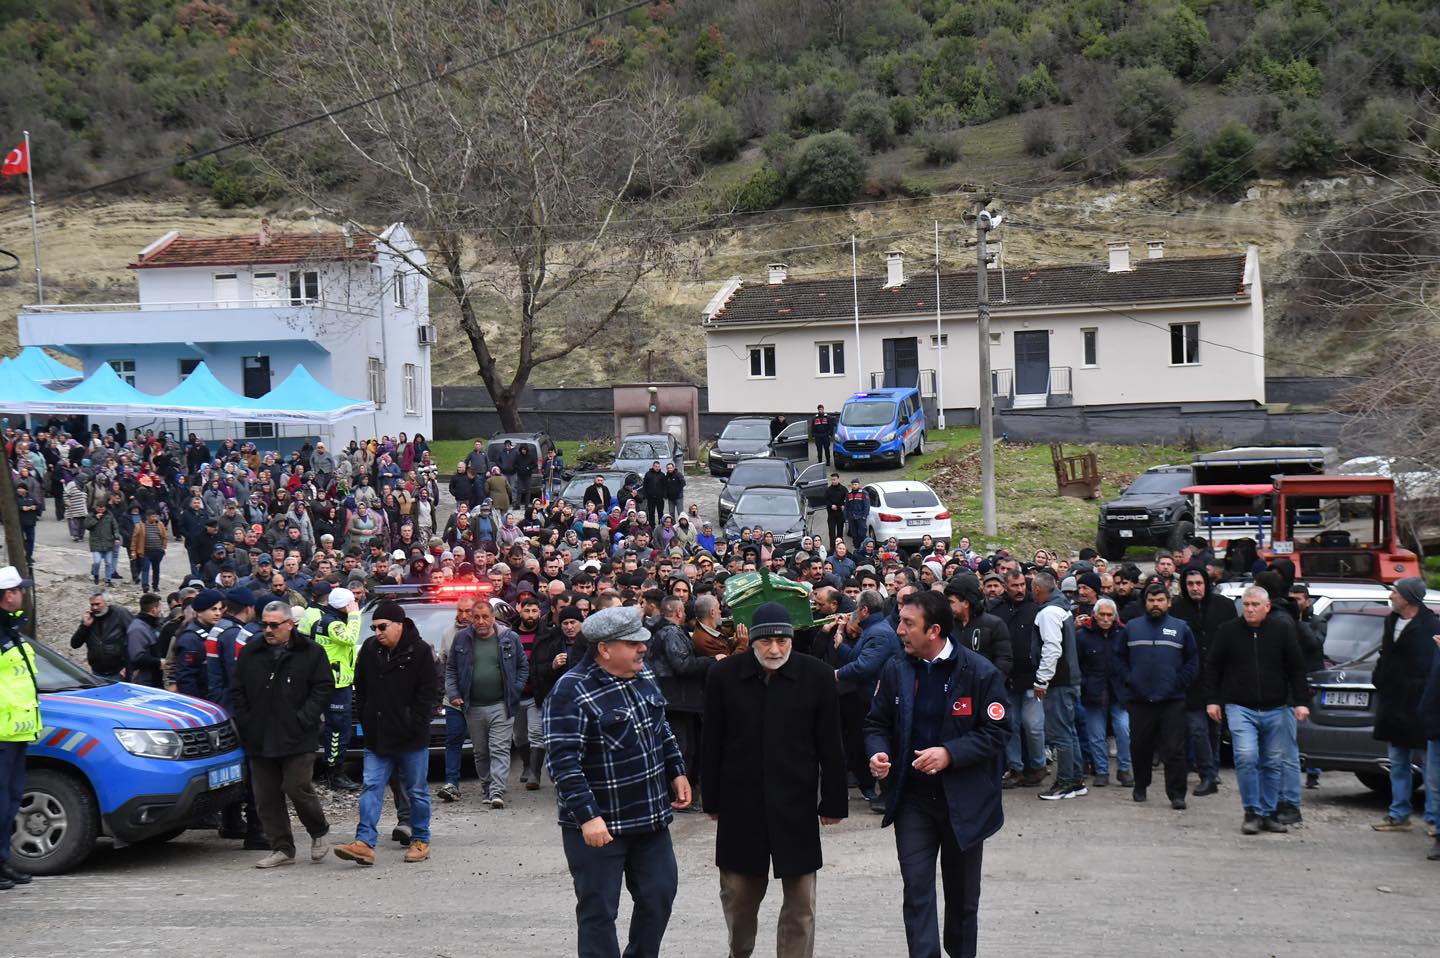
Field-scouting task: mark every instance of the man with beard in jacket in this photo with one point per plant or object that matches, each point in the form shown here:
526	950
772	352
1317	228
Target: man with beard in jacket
282	686
976	629
1157	662
1025	753
1407	651
103	633
1205	612
859	666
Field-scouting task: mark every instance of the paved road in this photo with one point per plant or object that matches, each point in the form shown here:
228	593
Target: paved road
1092	876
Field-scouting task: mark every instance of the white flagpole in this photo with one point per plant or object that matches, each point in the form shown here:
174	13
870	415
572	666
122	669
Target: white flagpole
855	292
939	341
34	228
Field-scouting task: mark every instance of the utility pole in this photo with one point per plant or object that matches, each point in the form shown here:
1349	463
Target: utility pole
939	341
984	223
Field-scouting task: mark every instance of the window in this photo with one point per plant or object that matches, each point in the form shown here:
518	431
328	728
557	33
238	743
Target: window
830	359
762	362
412	391
125	368
304	287
376	373
187	366
1091	341
1184	344
941	341
995	339
400	289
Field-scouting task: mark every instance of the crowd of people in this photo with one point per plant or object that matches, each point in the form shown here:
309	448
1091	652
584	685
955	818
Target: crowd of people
568	614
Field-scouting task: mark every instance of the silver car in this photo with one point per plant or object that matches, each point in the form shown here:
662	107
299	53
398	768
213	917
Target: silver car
640	450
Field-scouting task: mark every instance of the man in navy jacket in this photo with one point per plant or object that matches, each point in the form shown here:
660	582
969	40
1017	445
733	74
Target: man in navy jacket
859	668
1157	662
939	724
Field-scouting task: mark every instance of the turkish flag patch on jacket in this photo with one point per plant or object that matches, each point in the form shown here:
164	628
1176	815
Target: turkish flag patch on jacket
962	707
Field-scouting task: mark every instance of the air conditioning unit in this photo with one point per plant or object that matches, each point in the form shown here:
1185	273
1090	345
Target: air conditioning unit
427	335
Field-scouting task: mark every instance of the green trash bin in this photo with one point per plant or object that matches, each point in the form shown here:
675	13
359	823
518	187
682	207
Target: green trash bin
747	591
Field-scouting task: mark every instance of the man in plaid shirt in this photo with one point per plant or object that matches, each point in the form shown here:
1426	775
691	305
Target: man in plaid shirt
615	763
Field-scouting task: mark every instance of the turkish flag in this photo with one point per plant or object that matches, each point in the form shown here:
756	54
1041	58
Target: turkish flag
17	161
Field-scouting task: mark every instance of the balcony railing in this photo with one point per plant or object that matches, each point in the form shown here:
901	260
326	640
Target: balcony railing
194	305
1002	384
1059	381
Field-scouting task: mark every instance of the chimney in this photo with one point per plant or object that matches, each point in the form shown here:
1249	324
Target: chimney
894	268
777	273
996	255
349	234
1155	249
1119	257
264	237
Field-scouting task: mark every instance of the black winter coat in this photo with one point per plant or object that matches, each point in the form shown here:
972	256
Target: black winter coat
395	693
279	701
1100	684
1400	676
1205	619
679	670
653	484
106	640
1019	619
769	749
1258	668
989	636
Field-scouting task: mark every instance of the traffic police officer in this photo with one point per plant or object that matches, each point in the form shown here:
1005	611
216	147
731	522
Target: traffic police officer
19	713
336	627
937	729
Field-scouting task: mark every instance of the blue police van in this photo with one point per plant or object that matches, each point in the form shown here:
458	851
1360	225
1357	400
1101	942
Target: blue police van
880	425
126	762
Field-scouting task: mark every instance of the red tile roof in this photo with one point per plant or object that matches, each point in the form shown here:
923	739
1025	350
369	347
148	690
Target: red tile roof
283	248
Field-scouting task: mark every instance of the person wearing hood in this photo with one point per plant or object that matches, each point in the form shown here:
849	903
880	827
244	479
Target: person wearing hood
1057	685
1205	612
1157	662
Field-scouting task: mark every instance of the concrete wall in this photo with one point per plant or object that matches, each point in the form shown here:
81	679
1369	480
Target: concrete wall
1201	425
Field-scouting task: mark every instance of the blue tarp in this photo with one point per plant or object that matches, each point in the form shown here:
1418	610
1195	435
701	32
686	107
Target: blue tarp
41	368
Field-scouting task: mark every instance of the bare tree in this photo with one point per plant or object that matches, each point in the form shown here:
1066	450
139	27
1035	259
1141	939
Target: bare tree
542	182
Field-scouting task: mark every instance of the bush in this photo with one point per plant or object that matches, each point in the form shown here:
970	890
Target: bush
778	149
762	190
715	129
1145	103
1040	134
1222	161
1306	140
905	113
818	107
939	147
867	118
828	170
1381	133
1037	88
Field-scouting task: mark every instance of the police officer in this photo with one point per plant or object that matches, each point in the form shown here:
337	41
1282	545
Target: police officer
937	730
857	510
191	671
19	712
822	428
237	626
336	627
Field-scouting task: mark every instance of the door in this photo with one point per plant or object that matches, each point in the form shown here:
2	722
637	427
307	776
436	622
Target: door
255	382
1032	363
902	362
812	482
227	289
793	441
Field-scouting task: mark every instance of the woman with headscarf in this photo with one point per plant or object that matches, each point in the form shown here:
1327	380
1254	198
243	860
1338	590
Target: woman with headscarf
498	490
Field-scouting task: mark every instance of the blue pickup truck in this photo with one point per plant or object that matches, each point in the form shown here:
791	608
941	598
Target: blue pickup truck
127	762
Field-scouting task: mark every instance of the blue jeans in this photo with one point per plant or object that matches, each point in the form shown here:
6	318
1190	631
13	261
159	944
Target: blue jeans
106	559
1027	736
646	863
411	767
12	788
1060	732
1402	782
1095	732
1290	777
455	732
1261	739
150	568
1197	730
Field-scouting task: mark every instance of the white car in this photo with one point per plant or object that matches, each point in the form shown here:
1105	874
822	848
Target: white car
1328	597
907	510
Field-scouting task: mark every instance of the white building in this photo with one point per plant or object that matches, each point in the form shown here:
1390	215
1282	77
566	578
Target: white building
1152	331
351	308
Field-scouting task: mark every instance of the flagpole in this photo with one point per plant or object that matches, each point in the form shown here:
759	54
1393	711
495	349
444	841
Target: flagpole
34	227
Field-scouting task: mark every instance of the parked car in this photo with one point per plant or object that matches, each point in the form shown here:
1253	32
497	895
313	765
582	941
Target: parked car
1149	512
781	510
748	437
1339	733
638	451
540	444
125	762
1329	597
908	510
617	482
880	425
772	472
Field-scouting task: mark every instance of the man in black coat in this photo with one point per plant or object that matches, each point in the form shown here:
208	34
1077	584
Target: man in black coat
653	485
1407	651
280	690
976	629
1430	719
395	697
822	429
771	744
1205	612
834	510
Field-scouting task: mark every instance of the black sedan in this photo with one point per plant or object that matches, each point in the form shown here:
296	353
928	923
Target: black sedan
749	436
772	472
780	510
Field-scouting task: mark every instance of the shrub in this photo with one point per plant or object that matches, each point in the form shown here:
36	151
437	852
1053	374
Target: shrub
1145	103
764	189
818	106
715	130
778	150
939	147
1221	162
1037	87
1380	133
905	113
867	118
1040	134
828	169
1306	140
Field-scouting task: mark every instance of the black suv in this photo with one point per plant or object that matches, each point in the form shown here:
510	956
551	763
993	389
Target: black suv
1150	511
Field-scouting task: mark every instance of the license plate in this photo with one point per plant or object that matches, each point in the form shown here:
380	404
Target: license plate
917	522
225	775
1345	700
862	455
1127	533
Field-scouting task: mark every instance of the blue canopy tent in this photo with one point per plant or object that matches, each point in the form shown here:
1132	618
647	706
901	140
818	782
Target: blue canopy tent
19	392
102	393
301	398
43	370
201	395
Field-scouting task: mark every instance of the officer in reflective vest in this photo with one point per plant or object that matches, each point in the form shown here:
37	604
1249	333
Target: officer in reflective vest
339	636
19	713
